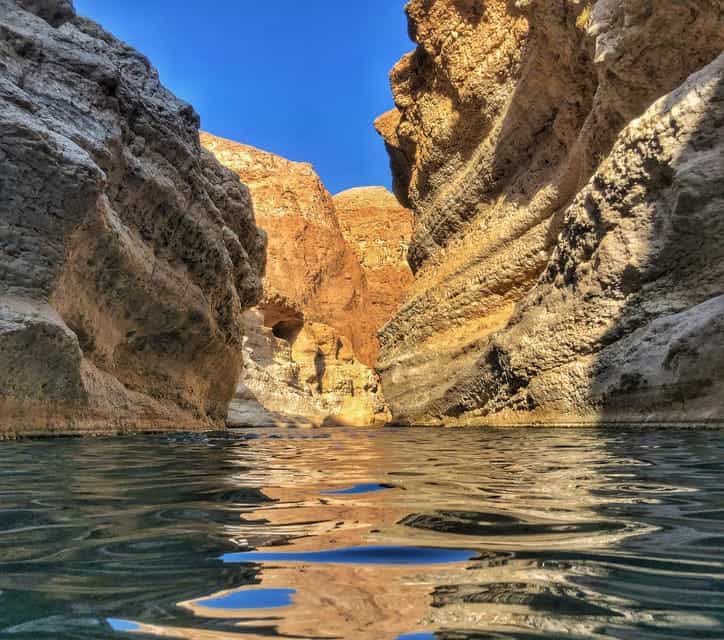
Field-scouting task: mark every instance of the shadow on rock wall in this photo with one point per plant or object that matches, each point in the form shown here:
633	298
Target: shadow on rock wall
542	239
626	322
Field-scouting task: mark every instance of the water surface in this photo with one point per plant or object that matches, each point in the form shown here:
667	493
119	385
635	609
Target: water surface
369	535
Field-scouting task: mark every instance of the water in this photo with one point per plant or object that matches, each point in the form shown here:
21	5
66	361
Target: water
369	535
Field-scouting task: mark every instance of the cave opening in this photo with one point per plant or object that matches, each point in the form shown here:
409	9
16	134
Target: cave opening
287	330
284	321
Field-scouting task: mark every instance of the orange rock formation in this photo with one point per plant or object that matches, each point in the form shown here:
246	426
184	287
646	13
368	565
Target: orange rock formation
311	272
379	229
312	341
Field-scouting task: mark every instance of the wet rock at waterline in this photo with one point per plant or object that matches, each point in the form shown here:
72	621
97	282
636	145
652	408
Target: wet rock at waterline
565	170
127	253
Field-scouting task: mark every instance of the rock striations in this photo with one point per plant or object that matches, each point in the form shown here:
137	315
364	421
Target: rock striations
312	341
564	161
127	253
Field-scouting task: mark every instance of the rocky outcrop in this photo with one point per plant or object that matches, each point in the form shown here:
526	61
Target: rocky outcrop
312	340
310	380
311	269
127	253
562	162
378	229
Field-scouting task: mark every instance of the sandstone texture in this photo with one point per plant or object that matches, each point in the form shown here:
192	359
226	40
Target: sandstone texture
564	161
128	254
378	229
311	379
312	340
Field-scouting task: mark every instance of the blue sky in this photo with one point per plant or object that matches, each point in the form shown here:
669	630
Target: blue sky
301	78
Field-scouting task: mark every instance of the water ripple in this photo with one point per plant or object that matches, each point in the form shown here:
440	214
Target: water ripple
395	534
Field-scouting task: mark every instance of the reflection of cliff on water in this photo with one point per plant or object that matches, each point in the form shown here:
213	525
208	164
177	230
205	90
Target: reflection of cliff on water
464	534
485	492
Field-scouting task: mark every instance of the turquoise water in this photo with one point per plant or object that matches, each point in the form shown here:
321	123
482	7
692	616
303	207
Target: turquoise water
385	535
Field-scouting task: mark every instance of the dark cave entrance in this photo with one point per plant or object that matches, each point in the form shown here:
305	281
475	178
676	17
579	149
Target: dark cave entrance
284	321
287	330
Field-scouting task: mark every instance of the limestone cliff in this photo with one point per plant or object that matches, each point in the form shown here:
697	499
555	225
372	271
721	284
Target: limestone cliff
312	340
562	162
378	229
127	253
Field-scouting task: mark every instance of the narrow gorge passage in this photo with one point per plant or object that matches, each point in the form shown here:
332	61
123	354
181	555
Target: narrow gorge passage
336	271
291	324
550	256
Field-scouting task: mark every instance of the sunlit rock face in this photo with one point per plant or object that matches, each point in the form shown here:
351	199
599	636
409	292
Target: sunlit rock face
378	229
310	379
312	340
128	253
562	162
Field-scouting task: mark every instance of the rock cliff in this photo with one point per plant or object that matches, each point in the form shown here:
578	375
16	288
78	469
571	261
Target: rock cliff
562	159
378	229
127	253
312	340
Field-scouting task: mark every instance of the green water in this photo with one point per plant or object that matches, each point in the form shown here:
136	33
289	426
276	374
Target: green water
395	533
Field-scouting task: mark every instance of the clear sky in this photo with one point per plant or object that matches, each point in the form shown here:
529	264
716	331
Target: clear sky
301	78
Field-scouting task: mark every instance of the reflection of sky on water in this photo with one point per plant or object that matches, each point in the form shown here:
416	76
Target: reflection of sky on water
123	625
250	599
385	555
363	487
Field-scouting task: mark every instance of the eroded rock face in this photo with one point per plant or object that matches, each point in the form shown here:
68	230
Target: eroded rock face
555	281
127	253
312	380
311	270
378	229
312	340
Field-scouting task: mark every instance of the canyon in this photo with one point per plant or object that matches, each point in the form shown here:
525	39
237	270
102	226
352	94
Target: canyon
139	290
551	255
564	162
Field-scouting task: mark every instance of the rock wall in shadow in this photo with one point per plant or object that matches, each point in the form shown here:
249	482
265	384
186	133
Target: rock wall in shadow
127	253
523	134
